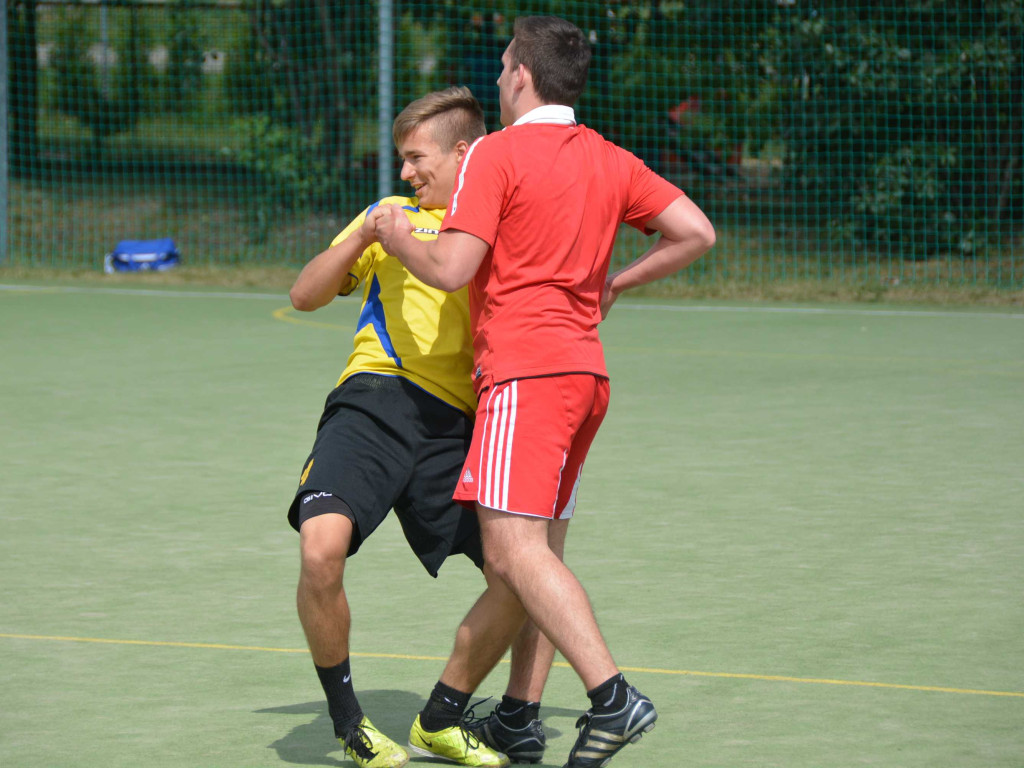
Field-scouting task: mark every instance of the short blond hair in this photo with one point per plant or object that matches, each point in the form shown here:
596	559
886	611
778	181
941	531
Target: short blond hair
454	113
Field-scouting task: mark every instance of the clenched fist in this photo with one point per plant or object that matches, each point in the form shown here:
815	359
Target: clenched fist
392	226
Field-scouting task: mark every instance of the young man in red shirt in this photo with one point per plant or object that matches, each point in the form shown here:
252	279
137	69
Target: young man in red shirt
530	227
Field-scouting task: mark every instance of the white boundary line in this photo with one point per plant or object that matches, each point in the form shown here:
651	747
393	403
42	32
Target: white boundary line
174	294
171	293
825	311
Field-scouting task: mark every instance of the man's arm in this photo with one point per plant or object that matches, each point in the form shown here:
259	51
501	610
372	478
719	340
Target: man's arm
328	272
447	263
686	235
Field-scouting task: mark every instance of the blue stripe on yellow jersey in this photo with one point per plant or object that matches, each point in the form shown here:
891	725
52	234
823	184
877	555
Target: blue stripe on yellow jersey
373	314
406	328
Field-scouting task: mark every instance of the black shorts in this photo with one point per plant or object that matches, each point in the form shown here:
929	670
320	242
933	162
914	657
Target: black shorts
383	443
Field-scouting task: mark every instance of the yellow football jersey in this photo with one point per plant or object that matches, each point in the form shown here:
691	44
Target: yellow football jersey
406	328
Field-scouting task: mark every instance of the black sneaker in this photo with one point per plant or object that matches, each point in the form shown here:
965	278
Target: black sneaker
601	736
522	745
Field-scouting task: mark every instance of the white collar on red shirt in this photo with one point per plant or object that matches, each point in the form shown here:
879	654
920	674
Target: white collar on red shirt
556	114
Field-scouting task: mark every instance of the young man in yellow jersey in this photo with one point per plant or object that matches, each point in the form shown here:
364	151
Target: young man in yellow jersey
394	434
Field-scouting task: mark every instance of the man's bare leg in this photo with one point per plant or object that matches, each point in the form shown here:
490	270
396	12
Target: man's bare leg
514	726
324	613
484	635
320	598
480	641
517	548
532	652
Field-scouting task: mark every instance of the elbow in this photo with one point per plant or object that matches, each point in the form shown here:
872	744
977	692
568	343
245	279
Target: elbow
448	284
301	300
447	280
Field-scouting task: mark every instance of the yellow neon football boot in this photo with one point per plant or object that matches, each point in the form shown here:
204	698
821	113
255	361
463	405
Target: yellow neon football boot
454	744
370	748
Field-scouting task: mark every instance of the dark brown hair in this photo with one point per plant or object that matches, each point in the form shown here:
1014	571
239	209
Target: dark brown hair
556	53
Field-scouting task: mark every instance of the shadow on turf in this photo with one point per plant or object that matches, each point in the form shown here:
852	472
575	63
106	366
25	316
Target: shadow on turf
312	742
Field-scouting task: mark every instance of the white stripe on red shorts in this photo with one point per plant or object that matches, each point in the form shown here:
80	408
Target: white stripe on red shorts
496	456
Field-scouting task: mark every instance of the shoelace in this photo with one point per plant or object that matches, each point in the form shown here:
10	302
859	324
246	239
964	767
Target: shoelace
472	742
584	724
585	719
359	742
469	721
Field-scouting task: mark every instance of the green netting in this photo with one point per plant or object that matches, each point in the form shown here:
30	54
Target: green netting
858	141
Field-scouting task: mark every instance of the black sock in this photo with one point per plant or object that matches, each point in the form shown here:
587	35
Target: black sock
444	708
341	697
609	696
516	713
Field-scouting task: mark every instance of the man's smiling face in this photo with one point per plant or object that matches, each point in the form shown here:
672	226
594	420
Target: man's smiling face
428	168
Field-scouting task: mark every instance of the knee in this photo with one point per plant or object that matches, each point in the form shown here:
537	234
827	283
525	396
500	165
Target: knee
512	559
502	598
515	547
323	565
498	564
500	574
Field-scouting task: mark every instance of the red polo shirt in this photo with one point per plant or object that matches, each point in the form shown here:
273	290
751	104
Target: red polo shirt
548	199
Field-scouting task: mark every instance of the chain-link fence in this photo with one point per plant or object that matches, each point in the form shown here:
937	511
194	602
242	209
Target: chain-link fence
857	141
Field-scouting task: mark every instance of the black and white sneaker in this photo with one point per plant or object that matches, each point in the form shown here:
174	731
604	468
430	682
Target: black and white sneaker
522	745
601	736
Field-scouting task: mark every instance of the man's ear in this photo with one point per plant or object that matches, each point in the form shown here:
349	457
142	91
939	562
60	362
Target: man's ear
461	148
521	77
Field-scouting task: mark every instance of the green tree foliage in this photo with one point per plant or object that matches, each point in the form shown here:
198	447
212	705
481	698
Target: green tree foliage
81	92
183	80
23	84
285	179
248	87
310	66
649	59
902	121
106	89
900	125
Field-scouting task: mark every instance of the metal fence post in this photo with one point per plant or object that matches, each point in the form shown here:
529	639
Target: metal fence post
4	176
385	94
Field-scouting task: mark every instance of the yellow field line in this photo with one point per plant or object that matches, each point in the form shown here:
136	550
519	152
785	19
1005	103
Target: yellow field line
410	657
824	681
161	643
285	314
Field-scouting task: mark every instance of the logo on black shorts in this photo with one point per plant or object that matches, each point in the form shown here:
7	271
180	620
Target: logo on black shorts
320	495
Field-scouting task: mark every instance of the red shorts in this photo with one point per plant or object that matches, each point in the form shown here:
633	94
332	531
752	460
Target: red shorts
530	440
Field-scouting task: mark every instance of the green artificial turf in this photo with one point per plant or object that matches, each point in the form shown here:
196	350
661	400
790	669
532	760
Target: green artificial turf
800	528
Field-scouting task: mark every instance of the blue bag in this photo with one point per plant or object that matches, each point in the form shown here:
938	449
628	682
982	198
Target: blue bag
141	255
